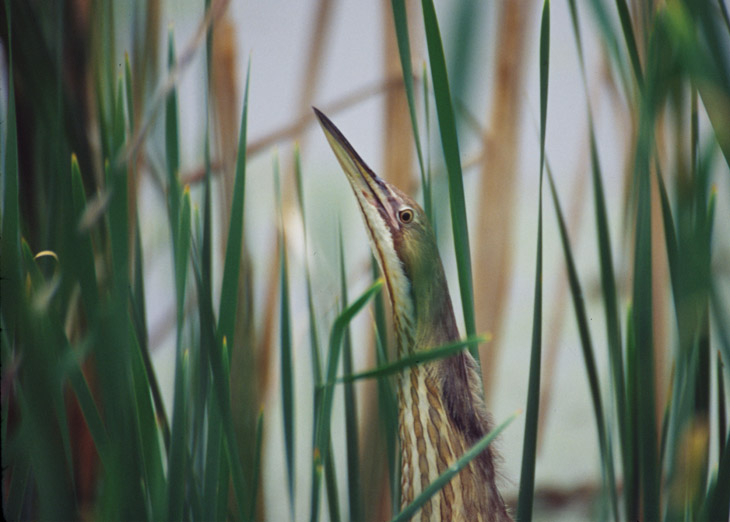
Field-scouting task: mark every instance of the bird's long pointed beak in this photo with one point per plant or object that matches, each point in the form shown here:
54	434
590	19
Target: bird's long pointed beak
368	187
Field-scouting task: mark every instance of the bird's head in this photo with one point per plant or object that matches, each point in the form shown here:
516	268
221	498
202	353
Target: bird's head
403	242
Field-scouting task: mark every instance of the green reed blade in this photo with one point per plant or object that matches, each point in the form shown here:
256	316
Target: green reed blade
234	246
443	479
172	147
450	144
148	434
285	340
529	452
322	438
628	32
258	450
421	357
588	351
400	20
176	464
717	501
387	401
10	212
351	428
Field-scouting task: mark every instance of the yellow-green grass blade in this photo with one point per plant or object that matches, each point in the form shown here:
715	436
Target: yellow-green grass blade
443	479
351	427
285	343
450	144
234	246
408	361
529	451
589	359
322	438
400	19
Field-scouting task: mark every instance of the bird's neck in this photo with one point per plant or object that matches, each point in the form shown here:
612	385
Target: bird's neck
435	323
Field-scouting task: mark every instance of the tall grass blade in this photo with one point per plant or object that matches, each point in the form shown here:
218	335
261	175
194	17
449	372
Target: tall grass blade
258	450
287	374
717	502
216	359
721	406
232	263
351	427
172	147
588	352
177	465
407	361
400	19
322	438
529	451
450	144
440	481
629	38
10	213
387	401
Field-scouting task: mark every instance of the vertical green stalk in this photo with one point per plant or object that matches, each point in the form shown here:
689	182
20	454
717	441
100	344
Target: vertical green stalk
450	144
287	374
351	428
527	476
400	20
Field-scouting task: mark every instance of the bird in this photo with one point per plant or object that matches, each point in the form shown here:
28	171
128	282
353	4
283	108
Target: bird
441	410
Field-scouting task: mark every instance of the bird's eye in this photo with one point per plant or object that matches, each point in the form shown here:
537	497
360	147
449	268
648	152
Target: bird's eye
405	215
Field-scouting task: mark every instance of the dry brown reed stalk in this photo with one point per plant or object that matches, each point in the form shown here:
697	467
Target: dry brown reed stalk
493	251
226	94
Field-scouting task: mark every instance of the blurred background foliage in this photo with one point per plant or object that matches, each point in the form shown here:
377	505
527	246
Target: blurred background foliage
177	287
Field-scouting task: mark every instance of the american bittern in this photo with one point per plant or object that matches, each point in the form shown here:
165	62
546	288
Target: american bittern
441	408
